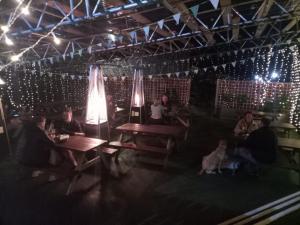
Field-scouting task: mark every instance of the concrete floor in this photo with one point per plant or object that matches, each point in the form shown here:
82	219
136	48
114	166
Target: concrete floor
146	194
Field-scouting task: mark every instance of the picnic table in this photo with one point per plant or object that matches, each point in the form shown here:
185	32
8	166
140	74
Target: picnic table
80	146
172	133
259	115
291	145
287	127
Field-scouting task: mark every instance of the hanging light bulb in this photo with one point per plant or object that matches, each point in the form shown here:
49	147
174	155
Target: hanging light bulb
2	82
8	41
56	40
25	10
15	58
274	75
5	28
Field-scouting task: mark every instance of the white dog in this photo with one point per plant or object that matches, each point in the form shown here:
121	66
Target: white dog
215	159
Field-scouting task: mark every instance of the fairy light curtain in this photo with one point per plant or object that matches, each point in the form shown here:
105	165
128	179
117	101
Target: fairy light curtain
252	95
178	89
96	101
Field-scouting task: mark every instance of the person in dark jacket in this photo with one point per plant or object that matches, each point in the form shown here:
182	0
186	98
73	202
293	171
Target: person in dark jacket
68	125
260	146
34	146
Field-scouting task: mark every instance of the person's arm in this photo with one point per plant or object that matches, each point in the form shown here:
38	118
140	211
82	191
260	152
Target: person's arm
238	130
78	130
46	140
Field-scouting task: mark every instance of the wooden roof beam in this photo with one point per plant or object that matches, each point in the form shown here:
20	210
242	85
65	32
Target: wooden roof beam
263	12
176	6
294	21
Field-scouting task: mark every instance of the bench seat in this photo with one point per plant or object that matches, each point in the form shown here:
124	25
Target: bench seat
145	148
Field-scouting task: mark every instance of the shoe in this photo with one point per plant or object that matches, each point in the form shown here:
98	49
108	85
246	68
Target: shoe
36	173
210	172
52	178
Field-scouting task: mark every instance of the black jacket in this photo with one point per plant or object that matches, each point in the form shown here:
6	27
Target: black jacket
33	146
262	144
68	128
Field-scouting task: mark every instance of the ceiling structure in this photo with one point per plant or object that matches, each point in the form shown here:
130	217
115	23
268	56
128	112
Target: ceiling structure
104	27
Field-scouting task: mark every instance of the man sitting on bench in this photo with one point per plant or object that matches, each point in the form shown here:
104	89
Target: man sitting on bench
259	147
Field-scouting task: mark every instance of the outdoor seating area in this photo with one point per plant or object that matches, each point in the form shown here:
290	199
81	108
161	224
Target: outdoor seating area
146	112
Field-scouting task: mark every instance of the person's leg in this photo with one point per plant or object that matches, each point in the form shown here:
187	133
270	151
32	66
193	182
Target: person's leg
251	165
245	154
72	157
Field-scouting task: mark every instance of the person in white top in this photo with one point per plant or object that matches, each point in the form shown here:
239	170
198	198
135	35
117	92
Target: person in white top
156	112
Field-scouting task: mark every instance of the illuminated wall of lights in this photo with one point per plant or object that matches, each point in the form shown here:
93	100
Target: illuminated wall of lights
295	92
34	87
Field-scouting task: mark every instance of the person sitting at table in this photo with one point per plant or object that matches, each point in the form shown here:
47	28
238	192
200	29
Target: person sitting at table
166	105
156	112
260	146
36	148
34	145
111	110
245	125
68	125
165	102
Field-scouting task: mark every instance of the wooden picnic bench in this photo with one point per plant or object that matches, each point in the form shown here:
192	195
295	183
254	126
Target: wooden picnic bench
291	145
170	132
80	146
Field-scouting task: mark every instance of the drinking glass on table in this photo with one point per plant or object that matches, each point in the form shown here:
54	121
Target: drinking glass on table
52	133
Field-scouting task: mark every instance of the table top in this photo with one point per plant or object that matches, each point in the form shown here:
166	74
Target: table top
81	144
175	131
289	143
258	113
283	125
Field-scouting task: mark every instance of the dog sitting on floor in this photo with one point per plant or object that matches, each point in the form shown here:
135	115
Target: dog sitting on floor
215	159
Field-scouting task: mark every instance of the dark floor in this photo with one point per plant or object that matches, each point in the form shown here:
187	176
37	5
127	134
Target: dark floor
146	194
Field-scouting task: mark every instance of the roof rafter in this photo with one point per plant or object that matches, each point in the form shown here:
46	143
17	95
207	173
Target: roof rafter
178	6
263	12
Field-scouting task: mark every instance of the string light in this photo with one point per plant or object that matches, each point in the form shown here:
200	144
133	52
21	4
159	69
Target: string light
25	10
13	18
56	40
13	59
274	75
2	82
8	41
4	28
294	110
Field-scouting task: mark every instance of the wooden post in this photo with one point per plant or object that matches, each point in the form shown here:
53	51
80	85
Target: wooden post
5	127
217	95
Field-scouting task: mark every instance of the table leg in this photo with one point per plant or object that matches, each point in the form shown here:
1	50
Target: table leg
77	171
169	144
119	152
121	137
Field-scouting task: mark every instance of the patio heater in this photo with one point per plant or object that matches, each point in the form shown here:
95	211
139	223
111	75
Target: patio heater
96	112
137	97
3	127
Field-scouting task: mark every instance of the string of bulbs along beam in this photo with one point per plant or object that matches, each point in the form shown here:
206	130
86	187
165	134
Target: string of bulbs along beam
25	11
